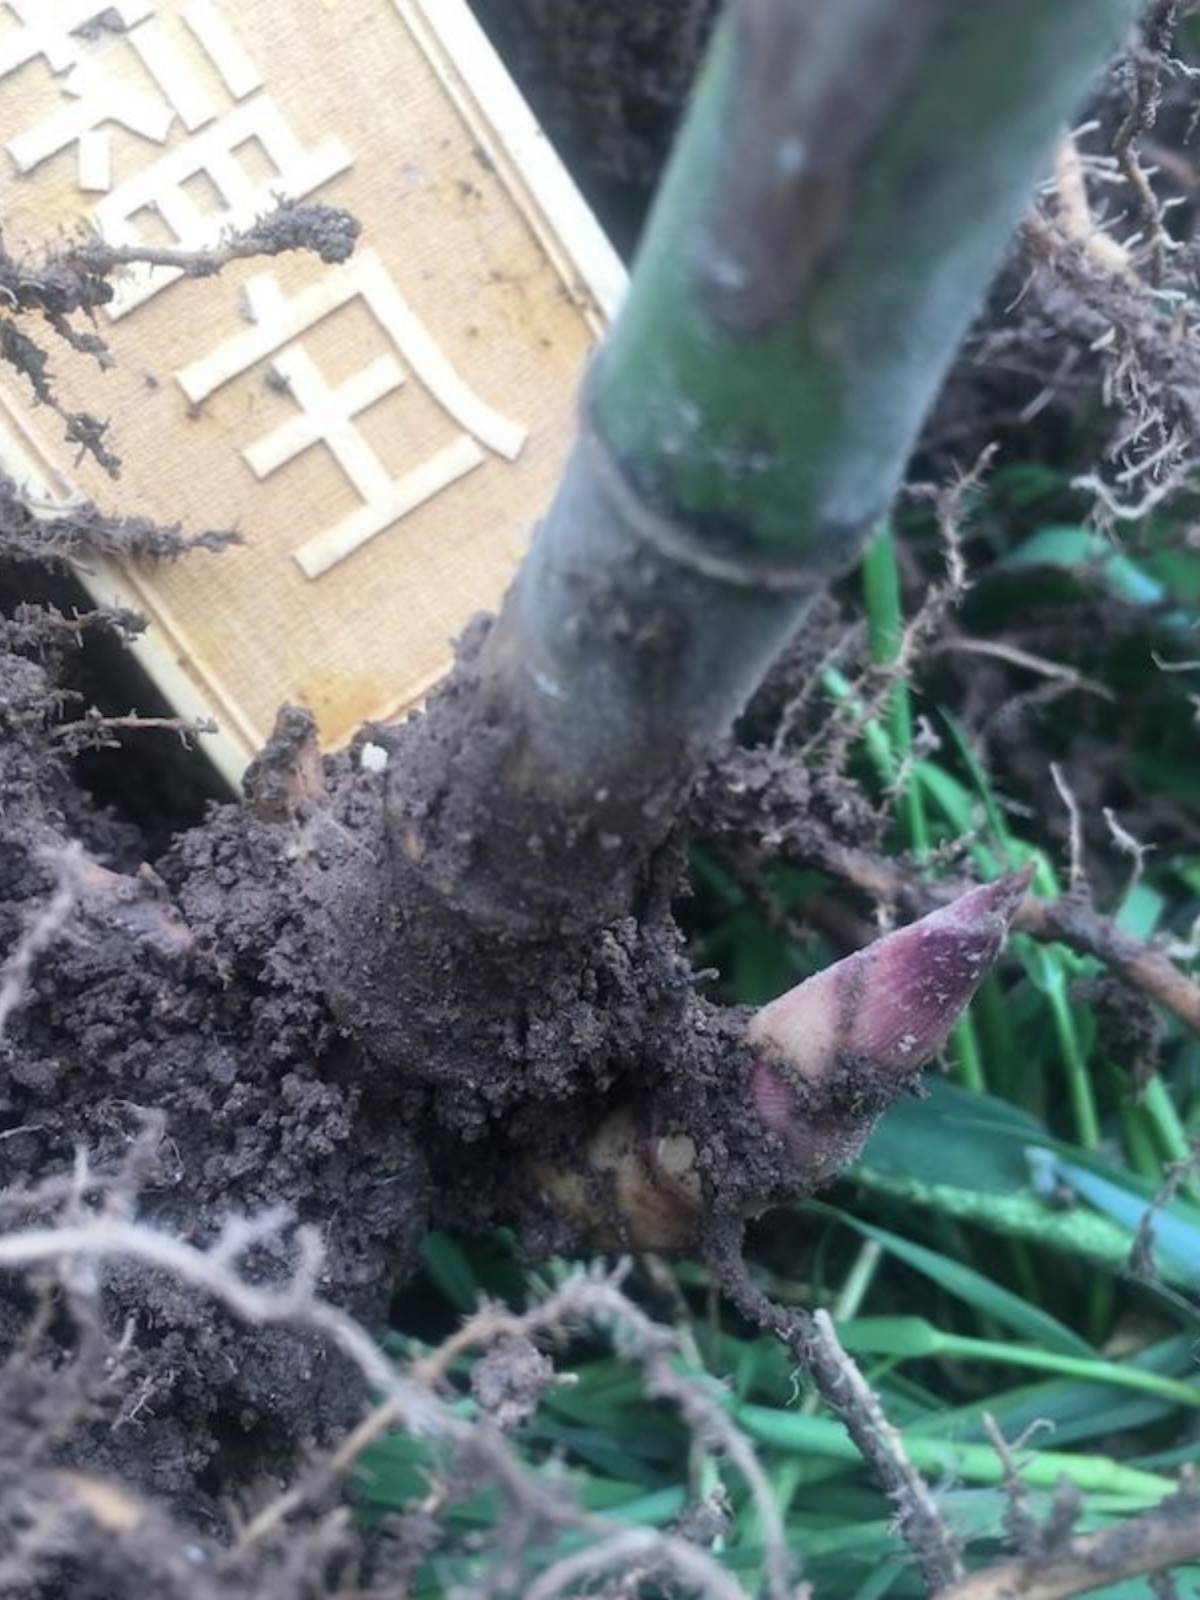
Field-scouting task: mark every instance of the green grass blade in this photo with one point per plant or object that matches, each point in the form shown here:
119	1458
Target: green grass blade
446	1262
968	1285
910	1337
966	1156
974	1463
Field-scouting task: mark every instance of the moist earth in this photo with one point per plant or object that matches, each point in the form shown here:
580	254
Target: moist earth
273	1007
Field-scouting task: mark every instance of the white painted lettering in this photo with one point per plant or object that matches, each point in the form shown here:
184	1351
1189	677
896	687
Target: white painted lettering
101	94
51	29
161	188
223	48
276	321
99	98
327	415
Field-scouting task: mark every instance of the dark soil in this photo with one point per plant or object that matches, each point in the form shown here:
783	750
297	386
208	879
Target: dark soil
609	83
285	990
284	986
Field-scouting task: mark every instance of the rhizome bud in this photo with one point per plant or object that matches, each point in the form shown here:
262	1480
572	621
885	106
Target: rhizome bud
825	1060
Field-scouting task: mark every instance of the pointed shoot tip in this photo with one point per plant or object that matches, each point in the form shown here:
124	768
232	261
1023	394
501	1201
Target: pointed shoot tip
893	1004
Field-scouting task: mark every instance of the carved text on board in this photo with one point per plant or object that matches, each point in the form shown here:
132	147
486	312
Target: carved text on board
53	29
97	88
158	69
99	91
213	153
327	415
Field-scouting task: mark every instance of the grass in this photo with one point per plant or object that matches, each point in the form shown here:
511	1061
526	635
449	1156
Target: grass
977	1256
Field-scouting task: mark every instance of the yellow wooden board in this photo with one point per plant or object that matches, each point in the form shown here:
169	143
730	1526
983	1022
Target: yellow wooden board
383	433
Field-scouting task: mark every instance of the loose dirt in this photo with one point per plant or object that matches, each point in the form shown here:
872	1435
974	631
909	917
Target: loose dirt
315	1027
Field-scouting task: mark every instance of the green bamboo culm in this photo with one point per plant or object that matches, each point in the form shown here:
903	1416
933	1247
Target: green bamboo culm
840	195
803	285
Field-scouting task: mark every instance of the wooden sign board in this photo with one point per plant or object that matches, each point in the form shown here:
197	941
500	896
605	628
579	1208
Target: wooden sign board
384	433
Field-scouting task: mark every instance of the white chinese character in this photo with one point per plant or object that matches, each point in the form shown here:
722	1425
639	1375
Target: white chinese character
52	29
161	188
176	76
326	415
222	47
102	93
99	97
